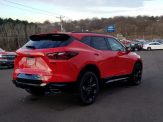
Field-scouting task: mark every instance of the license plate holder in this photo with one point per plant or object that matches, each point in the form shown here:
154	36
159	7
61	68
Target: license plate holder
31	61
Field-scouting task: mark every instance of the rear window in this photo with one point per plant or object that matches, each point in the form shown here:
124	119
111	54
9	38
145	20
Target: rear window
48	41
87	40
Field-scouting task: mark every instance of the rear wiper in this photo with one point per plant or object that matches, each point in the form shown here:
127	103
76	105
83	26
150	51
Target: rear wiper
31	47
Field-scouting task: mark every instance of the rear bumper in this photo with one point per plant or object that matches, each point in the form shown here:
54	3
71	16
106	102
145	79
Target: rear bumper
47	86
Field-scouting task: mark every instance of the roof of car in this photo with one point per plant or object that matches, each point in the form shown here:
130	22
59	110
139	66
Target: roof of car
78	35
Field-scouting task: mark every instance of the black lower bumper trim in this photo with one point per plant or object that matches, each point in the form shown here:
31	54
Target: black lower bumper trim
49	86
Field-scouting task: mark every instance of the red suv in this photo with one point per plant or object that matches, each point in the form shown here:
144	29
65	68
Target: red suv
79	62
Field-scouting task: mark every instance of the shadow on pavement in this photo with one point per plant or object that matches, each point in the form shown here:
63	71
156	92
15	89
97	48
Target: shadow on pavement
60	102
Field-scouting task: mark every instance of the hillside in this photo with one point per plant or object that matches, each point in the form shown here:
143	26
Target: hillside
14	33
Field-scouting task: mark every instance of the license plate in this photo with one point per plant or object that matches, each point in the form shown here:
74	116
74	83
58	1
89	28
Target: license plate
30	61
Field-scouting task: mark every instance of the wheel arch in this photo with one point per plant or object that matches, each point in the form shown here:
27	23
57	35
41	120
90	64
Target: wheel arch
134	63
139	61
93	68
90	67
149	47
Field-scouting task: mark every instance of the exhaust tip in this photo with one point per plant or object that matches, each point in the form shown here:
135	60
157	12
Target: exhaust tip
43	84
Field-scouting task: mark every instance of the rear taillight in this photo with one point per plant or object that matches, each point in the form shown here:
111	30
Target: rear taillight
62	55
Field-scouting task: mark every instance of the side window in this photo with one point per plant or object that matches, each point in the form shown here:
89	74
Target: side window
115	45
152	44
157	43
99	43
87	40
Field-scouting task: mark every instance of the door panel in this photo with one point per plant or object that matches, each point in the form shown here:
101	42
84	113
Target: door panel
108	64
161	46
106	56
122	63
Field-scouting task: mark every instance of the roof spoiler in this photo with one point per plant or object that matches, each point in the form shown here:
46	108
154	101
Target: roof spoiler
55	37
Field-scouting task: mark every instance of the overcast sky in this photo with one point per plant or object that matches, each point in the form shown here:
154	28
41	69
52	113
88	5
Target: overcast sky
41	10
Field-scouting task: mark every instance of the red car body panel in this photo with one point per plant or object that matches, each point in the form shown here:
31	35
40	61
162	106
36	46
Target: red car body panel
109	63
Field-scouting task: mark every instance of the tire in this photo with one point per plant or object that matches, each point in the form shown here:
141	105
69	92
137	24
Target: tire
88	88
136	76
36	91
149	49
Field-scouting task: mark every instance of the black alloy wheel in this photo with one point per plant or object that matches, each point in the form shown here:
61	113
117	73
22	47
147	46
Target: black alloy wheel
88	88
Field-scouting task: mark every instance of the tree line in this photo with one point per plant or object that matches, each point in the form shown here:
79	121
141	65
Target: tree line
14	33
143	27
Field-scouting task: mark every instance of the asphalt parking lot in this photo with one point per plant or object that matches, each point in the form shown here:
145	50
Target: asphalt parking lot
117	102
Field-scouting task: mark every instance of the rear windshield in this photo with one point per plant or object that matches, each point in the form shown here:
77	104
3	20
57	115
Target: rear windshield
48	41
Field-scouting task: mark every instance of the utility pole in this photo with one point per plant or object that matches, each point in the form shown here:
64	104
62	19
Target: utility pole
60	18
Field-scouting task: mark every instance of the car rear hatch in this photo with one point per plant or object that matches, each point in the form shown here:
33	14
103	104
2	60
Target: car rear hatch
34	58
